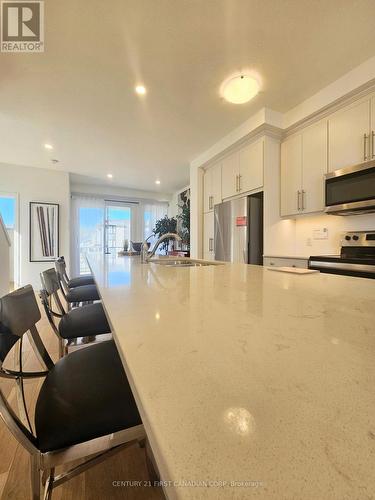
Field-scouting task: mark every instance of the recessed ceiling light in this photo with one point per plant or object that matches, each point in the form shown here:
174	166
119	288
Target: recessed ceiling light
140	89
110	176
157	182
240	88
48	146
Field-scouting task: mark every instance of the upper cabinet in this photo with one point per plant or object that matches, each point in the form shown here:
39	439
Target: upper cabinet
372	132
242	171
251	166
212	187
350	135
303	165
229	175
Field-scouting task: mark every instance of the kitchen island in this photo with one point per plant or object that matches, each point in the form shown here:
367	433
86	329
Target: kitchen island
250	383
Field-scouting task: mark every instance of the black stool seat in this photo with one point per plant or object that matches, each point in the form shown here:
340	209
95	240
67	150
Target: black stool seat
81	281
84	321
86	395
83	293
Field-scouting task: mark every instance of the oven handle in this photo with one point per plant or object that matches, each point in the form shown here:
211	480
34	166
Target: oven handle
345	266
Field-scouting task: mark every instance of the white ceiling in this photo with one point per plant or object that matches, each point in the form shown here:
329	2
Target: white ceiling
79	94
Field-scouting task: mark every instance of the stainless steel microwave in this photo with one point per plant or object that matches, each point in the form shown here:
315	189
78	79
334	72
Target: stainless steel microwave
351	190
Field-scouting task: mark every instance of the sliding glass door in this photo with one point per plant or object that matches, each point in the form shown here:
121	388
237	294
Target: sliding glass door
103	226
118	225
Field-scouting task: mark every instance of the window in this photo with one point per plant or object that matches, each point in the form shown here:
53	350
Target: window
8	211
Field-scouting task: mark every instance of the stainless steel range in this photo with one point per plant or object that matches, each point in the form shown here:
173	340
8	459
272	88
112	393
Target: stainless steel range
357	256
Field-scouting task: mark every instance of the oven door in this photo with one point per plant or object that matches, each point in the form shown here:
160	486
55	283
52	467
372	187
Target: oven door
351	191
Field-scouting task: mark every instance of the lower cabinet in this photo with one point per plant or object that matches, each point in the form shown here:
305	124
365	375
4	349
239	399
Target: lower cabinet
208	236
285	262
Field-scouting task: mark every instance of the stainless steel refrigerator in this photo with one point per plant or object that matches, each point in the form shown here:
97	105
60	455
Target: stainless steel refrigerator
239	230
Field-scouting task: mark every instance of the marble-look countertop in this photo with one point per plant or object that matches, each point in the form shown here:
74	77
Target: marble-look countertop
250	383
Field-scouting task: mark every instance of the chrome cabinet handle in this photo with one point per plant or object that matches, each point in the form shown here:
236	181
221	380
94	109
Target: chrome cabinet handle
210	244
303	199
236	183
210	202
298	200
239	182
365	137
372	144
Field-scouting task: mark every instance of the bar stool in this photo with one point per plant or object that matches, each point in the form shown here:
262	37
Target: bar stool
79	280
86	322
85	407
77	295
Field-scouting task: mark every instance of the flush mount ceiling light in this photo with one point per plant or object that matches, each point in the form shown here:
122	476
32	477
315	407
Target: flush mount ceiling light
48	146
157	182
110	176
240	88
140	89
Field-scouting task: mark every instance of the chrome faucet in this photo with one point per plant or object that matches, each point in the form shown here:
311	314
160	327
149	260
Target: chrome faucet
146	255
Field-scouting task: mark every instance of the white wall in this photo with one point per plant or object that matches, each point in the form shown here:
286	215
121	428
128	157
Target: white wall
107	190
36	184
4	259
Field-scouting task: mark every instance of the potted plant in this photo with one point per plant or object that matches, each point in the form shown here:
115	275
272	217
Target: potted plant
163	226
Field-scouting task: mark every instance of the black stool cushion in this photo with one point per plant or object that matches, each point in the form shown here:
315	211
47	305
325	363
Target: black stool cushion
83	294
84	321
86	395
81	281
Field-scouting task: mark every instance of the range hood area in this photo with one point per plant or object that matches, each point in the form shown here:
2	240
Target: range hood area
351	190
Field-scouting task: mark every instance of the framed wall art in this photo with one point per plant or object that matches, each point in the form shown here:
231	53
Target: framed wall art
44	231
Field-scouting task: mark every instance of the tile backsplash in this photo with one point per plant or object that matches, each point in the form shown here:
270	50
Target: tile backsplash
321	234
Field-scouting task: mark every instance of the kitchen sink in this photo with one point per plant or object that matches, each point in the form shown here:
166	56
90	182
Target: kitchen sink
181	263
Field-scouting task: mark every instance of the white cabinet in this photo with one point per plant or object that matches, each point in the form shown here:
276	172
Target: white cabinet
372	132
291	175
229	175
349	135
208	236
251	166
212	187
303	165
242	171
314	167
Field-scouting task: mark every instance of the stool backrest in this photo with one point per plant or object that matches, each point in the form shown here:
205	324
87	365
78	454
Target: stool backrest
60	266
19	313
49	294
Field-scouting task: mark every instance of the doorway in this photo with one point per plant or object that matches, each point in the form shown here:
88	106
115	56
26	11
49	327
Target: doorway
9	212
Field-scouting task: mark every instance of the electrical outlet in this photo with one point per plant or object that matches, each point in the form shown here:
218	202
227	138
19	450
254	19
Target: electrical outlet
320	233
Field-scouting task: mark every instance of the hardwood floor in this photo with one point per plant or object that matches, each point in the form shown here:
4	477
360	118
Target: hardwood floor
97	482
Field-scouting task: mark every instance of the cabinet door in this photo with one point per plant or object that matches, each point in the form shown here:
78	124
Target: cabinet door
207	190
347	128
291	176
216	184
229	175
314	166
208	236
251	166
372	133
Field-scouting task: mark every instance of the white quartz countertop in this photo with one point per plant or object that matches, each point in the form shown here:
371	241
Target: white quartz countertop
250	383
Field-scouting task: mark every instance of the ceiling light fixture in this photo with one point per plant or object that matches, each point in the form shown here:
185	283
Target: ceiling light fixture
48	146
110	176
157	182
240	88
140	89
